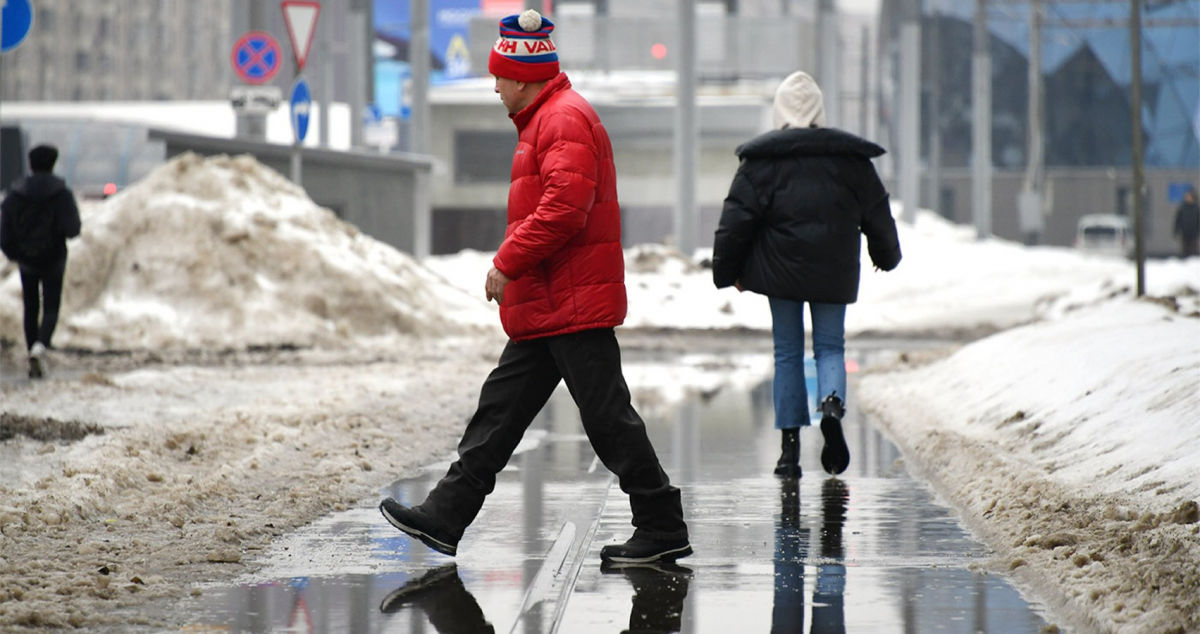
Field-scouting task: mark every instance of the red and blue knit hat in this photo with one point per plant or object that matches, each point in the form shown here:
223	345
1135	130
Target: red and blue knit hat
524	51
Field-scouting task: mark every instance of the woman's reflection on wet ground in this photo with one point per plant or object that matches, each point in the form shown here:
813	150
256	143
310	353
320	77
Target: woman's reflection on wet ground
792	539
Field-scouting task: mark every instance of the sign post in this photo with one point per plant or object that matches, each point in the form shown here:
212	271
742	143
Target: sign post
16	20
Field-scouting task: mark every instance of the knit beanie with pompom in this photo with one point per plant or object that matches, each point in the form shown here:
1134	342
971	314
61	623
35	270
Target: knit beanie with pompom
524	51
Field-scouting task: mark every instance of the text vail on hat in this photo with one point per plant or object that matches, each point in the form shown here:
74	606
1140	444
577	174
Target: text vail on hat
524	51
798	103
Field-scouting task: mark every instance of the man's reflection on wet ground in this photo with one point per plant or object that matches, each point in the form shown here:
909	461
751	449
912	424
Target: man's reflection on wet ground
659	591
792	540
446	602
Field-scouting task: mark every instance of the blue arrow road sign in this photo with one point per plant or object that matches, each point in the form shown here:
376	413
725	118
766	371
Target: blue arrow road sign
301	103
16	18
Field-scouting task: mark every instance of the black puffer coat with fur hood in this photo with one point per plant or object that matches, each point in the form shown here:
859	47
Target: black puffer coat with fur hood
791	223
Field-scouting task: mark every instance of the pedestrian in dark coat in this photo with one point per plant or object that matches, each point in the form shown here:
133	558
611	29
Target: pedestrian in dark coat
1187	225
36	218
789	229
559	277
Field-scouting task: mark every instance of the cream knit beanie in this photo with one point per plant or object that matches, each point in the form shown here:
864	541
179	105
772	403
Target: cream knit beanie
798	102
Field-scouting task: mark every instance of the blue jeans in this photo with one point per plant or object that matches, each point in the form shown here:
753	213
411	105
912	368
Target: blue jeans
829	350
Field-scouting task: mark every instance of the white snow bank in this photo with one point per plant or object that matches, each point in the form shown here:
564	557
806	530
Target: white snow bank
1071	445
948	282
226	253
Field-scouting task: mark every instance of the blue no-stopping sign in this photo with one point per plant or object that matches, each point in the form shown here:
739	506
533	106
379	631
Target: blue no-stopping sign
256	57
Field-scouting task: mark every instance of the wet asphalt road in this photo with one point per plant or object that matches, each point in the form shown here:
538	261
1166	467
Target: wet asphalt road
869	551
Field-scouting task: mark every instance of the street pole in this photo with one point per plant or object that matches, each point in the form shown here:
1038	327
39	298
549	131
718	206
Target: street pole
418	60
1031	202
981	138
297	172
934	195
829	68
1139	174
686	131
910	110
325	48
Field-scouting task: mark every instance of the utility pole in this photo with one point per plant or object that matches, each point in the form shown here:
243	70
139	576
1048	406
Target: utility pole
864	84
910	110
1031	203
935	109
419	138
686	130
829	70
1139	173
251	125
981	137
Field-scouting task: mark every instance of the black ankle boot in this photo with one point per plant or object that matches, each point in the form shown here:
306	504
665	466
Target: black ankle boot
835	456
789	459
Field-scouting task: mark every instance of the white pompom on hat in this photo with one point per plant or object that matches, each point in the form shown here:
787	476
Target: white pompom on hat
798	102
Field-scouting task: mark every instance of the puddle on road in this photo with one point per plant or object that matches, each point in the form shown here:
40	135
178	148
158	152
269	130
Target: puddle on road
872	550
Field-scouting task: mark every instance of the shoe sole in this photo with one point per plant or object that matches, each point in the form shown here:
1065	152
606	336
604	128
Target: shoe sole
669	555
425	538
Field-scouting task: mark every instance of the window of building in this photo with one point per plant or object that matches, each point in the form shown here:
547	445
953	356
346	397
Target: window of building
483	156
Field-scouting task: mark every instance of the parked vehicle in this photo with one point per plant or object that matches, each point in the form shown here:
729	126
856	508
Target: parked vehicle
1105	234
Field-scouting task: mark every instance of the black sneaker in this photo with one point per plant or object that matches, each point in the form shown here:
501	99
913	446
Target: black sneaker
415	523
835	456
642	550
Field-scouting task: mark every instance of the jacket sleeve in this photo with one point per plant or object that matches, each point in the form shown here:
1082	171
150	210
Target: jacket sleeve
883	242
66	217
6	228
740	217
567	167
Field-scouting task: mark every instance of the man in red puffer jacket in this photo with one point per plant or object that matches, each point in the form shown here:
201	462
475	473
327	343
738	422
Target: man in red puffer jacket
559	277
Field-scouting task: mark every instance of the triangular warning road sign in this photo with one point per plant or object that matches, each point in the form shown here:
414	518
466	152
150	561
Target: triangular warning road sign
301	19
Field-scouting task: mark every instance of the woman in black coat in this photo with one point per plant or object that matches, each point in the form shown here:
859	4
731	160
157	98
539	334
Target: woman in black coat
790	230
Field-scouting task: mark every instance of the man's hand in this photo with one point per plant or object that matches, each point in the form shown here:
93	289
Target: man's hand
494	286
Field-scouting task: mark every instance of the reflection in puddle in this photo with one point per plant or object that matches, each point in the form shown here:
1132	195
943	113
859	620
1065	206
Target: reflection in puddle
441	596
869	551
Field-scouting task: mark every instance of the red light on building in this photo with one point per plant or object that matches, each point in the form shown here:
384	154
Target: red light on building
658	51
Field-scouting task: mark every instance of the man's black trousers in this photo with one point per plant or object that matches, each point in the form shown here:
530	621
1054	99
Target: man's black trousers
525	377
41	290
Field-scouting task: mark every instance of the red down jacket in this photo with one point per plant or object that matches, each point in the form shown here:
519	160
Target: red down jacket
562	247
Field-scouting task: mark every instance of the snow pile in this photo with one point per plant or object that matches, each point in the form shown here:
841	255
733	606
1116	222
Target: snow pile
226	253
948	283
1069	444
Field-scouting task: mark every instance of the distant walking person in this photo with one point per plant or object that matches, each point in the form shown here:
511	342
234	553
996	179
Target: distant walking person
1187	225
36	219
559	278
790	230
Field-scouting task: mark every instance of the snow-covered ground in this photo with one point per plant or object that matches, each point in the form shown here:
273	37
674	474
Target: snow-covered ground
1063	438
